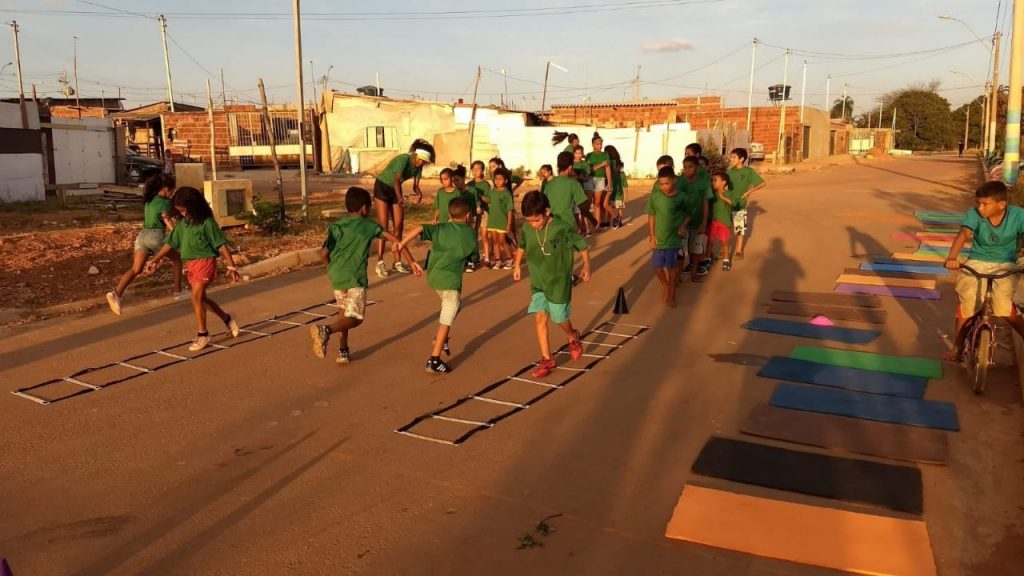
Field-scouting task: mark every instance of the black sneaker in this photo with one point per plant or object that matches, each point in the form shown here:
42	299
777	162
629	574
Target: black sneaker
344	356
438	366
704	268
726	265
321	335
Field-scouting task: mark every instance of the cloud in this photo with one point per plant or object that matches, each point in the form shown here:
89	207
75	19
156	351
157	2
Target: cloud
673	45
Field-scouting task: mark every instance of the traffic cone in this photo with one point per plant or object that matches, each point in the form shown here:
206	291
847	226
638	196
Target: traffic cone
620	303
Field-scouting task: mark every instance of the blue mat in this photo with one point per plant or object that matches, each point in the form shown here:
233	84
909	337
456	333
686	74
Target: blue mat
906	411
805	330
905	268
793	370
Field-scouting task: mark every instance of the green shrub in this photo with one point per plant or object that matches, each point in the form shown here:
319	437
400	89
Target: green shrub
266	216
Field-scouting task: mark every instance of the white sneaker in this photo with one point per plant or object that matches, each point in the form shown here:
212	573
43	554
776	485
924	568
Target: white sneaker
233	326
114	301
509	264
381	269
402	268
200	343
183	295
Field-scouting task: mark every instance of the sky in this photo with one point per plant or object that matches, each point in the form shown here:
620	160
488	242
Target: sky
430	49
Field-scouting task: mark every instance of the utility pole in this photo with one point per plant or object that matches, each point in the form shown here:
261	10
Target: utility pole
984	120
377	76
779	150
78	95
21	87
269	127
223	93
845	86
1011	153
472	115
993	101
312	78
167	61
828	92
213	134
544	97
636	91
967	126
750	90
803	93
300	104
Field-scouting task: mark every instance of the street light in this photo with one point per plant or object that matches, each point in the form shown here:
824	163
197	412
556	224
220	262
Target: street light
989	126
547	70
4	67
968	26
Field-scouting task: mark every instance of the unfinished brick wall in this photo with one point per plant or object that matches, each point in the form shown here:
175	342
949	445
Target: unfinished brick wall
192	137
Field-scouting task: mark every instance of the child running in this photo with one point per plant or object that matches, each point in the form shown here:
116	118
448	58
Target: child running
452	244
745	181
501	219
722	214
198	239
616	201
157	220
346	252
564	192
548	243
698	194
667	217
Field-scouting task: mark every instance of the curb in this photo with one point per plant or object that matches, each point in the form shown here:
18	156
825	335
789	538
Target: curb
295	259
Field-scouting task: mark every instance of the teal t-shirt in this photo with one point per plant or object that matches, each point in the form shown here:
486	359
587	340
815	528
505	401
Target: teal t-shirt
348	245
452	246
995	243
401	164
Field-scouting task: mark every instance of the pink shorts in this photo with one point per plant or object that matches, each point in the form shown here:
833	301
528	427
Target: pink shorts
201	271
719	231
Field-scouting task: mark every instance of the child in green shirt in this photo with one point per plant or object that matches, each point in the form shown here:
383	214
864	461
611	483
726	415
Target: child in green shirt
469	193
198	239
564	193
547	244
452	244
501	220
698	194
482	188
745	180
545	174
445	194
616	201
667	217
721	217
600	171
588	223
346	252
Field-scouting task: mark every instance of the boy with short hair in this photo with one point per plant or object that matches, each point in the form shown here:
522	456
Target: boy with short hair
698	194
994	228
346	253
548	243
452	244
564	192
667	217
745	181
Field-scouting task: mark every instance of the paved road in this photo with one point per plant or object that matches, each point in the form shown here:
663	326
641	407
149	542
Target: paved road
264	460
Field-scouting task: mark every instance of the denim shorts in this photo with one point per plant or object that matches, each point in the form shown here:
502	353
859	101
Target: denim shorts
665	258
150	240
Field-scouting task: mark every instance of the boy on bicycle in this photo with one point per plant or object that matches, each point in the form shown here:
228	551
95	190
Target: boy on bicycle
994	228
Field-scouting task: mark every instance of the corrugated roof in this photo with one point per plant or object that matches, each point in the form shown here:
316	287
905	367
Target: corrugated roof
629	104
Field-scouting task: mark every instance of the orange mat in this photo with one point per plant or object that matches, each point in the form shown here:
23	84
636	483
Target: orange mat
892	282
826	537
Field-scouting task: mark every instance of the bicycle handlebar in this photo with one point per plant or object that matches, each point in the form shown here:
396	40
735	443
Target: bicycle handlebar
998	276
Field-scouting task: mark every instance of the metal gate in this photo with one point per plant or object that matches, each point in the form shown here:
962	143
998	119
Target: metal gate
249	138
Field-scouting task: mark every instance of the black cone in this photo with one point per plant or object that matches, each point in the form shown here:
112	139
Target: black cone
620	303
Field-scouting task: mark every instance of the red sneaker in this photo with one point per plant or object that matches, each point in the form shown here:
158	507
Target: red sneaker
544	367
575	346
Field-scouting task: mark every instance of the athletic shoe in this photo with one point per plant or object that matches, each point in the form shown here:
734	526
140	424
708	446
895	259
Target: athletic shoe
344	356
616	224
114	301
605	225
438	366
202	341
401	268
446	349
183	295
544	367
726	265
496	265
470	267
508	265
233	326
575	346
704	268
381	269
321	335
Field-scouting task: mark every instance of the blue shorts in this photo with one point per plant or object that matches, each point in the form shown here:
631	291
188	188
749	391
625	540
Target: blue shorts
665	258
559	313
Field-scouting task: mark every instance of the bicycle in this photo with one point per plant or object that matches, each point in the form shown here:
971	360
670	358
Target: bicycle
977	340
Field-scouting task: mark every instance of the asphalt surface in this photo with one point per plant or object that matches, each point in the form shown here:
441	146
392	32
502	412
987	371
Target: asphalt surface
262	459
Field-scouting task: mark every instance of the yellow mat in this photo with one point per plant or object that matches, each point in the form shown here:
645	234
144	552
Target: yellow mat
837	539
891	282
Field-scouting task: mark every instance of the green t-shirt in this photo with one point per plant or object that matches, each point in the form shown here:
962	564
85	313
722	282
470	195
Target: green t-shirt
444	198
696	193
569	148
401	164
582	168
744	178
722	212
596	158
196	240
501	205
549	257
470	194
619	186
153	211
564	194
452	246
669	213
995	243
481	189
348	245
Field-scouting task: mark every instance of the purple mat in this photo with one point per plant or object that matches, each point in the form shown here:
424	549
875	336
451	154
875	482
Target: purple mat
894	291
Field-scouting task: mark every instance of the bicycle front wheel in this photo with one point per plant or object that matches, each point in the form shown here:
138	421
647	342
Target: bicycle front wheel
982	359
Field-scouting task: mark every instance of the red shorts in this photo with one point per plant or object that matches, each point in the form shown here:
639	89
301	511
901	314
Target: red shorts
201	271
719	231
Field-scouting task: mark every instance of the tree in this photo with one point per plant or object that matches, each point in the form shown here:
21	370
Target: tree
923	120
837	109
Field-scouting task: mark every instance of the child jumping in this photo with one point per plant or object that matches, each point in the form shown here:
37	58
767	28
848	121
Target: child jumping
667	217
745	181
727	200
157	220
501	219
453	243
198	239
346	252
547	244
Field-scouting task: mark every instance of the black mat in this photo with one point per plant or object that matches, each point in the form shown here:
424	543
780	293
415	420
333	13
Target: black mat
891	486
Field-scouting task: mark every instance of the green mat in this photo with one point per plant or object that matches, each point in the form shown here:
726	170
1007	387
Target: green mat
923	367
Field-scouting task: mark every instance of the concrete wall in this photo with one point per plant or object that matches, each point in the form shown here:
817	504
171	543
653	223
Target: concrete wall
83	150
21	158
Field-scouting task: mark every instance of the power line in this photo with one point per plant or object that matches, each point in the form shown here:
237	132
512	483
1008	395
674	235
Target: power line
838	56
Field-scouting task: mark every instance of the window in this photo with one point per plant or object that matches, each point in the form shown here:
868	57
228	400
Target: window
381	137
